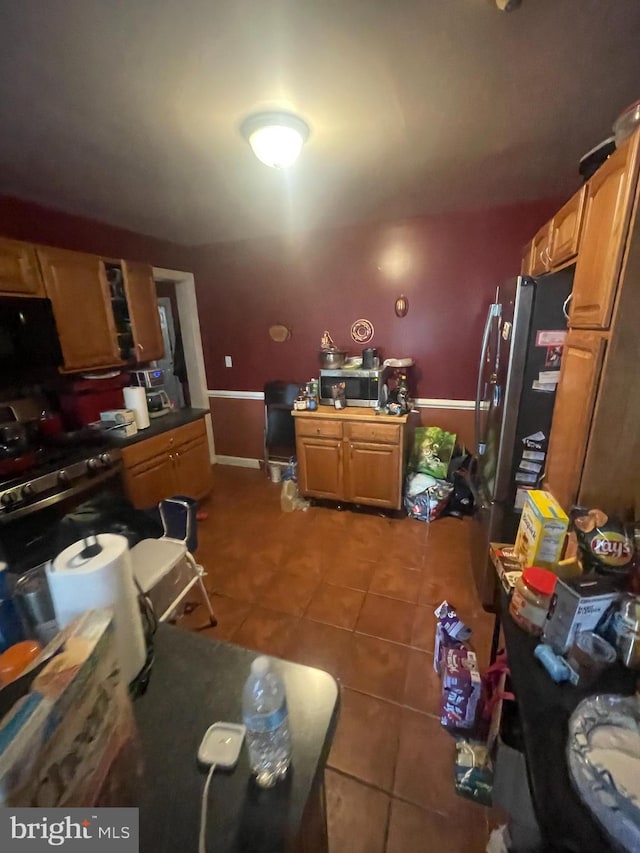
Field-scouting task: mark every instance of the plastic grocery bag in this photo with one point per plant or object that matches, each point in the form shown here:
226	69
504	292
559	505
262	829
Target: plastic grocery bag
290	497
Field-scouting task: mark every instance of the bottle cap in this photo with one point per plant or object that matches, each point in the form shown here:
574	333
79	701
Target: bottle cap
261	665
541	580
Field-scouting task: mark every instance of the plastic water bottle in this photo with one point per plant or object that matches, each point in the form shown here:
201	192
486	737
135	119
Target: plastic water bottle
264	713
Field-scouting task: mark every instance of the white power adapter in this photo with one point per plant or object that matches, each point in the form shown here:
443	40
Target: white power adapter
221	744
220	747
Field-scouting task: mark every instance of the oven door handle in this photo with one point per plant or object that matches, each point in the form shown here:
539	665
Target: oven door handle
81	486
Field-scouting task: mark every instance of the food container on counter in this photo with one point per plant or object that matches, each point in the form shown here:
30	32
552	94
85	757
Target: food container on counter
628	633
588	657
531	599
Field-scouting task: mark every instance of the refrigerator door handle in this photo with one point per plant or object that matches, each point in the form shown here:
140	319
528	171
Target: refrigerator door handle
494	310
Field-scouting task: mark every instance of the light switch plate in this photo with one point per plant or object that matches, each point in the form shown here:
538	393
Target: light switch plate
227	361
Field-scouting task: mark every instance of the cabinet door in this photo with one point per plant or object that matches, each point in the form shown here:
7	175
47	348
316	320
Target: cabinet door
77	286
19	272
151	481
608	203
539	263
140	291
525	267
373	474
192	469
579	376
320	467
565	230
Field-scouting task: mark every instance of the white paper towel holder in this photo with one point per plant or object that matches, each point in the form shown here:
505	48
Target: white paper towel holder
137	679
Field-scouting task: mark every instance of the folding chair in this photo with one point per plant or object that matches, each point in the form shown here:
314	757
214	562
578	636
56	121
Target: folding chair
164	569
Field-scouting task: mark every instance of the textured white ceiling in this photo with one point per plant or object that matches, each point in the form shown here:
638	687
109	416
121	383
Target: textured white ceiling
128	111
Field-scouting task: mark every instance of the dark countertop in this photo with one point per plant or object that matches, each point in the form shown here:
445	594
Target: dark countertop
194	683
545	708
162	424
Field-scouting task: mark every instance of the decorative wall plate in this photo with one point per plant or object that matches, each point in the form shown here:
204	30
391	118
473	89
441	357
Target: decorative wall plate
362	331
279	333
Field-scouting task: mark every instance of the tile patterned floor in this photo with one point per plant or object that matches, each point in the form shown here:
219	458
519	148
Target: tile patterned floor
354	594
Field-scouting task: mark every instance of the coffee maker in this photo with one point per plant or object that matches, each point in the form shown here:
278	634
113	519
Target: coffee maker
152	380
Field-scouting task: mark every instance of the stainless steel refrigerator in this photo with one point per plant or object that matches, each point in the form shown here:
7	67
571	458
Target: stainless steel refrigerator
519	366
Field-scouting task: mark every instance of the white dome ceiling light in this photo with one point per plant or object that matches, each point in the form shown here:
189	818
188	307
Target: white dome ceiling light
276	138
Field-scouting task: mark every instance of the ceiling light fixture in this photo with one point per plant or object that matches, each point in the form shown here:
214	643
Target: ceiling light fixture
275	138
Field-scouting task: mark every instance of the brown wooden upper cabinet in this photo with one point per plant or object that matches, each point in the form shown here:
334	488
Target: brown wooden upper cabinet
607	211
565	230
140	293
19	272
575	399
539	262
77	286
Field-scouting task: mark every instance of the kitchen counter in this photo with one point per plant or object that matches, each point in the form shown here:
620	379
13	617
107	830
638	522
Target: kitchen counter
353	413
195	682
544	709
175	419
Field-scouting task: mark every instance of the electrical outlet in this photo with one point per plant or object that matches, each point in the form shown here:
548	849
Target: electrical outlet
227	361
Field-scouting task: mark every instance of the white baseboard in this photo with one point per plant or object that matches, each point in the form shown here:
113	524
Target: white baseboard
238	461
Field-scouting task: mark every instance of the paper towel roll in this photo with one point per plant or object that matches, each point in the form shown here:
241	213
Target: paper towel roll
106	580
136	399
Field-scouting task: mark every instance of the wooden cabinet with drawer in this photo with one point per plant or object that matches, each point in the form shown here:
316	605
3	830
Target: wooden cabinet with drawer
174	462
353	455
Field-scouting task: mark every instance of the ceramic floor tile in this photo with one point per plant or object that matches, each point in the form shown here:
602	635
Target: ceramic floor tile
386	618
424	769
355	575
243	582
396	582
265	631
386	741
305	562
423	687
229	612
402	557
335	606
288	592
357	815
413	830
318	645
376	667
366	741
423	634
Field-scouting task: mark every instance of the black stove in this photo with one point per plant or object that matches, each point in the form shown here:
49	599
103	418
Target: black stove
64	467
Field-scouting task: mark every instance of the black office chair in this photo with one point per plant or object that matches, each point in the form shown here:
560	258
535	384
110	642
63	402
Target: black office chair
279	427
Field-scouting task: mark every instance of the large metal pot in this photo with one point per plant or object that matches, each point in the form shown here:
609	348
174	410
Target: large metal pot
330	359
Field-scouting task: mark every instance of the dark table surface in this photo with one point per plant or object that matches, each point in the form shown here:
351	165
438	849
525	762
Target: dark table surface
194	683
545	708
175	419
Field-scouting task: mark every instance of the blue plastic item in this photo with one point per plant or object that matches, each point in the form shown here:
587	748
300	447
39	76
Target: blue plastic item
556	666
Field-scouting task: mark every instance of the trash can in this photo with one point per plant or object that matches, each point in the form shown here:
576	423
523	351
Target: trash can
180	521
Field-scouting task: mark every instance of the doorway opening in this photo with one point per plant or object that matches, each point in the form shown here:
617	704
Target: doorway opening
178	308
176	382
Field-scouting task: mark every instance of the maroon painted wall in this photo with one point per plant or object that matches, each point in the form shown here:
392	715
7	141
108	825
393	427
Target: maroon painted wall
448	266
23	220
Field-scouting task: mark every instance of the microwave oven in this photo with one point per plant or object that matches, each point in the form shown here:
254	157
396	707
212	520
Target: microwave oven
365	388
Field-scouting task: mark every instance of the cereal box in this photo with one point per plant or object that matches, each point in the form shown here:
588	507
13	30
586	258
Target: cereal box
543	526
